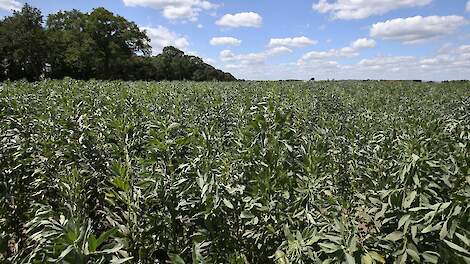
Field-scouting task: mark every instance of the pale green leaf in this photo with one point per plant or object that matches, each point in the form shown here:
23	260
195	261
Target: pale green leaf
228	203
456	247
394	236
409	199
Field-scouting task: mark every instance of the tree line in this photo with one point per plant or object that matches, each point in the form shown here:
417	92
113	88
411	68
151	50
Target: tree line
97	45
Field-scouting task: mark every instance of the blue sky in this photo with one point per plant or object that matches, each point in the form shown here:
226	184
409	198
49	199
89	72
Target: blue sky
325	39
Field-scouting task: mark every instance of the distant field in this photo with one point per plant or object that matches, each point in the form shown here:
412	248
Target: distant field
242	172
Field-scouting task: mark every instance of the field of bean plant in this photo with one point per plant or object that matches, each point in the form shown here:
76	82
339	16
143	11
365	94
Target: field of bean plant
240	172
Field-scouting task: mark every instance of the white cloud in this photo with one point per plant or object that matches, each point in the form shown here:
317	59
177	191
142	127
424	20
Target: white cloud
209	61
363	43
447	63
200	26
251	58
382	62
320	70
246	19
229	41
175	9
468	6
292	42
346	52
359	9
455	64
278	50
227	55
417	29
161	37
10	5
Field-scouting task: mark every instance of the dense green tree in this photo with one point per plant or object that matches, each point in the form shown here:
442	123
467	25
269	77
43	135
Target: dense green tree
71	50
115	41
2	55
23	44
97	45
175	65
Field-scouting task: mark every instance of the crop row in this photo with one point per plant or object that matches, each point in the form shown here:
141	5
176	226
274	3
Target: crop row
242	172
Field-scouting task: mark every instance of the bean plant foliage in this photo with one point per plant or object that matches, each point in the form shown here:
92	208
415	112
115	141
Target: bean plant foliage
242	172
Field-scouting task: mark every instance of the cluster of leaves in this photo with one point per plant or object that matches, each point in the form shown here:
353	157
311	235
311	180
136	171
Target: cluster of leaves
252	172
97	45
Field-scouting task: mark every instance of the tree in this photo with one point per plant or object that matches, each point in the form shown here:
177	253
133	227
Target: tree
71	49
175	65
115	41
23	44
97	45
2	55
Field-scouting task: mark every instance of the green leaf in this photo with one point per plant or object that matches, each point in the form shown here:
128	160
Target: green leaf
403	220
394	236
443	233
431	257
431	228
366	259
409	199
329	247
92	243
288	234
65	253
414	231
114	249
228	203
246	214
121	184
116	260
414	255
105	236
173	126
464	239
456	247
281	257
376	256
350	259
176	259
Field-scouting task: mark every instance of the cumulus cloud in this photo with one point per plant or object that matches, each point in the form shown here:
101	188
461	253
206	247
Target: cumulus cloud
226	55
296	42
9	5
245	19
468	6
447	63
259	58
209	61
417	29
453	64
320	70
363	43
457	59
384	62
175	9
161	37
346	52
359	9
229	41
245	59
278	50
